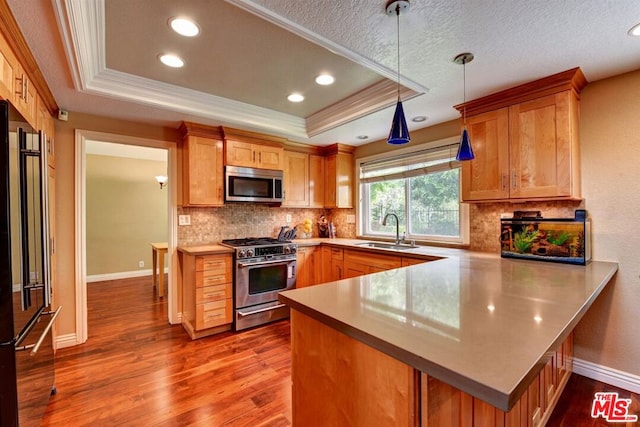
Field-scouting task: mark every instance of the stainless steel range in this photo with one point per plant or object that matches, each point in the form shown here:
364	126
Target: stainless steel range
263	268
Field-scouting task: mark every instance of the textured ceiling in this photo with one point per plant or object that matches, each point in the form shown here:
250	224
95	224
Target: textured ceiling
513	41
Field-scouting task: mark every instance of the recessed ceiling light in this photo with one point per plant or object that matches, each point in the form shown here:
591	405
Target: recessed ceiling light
635	30
419	119
171	60
362	136
184	27
295	97
325	79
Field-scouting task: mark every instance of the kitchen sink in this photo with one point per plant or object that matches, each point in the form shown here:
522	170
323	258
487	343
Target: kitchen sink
380	245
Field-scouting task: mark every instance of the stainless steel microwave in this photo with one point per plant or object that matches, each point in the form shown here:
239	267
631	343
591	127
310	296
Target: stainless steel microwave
253	185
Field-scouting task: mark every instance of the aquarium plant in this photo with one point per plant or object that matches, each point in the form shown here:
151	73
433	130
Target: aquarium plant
524	240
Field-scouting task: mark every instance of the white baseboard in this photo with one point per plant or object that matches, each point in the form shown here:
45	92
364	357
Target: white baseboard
68	340
623	380
120	275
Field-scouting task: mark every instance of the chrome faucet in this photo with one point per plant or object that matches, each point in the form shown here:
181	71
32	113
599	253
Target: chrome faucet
384	223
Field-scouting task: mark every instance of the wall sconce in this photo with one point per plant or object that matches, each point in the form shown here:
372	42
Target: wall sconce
162	180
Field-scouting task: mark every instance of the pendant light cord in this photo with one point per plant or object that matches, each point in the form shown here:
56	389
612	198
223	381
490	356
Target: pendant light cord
464	91
398	28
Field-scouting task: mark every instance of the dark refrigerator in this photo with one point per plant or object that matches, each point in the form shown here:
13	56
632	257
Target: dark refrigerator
26	318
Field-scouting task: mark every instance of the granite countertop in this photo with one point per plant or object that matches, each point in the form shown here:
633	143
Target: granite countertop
478	322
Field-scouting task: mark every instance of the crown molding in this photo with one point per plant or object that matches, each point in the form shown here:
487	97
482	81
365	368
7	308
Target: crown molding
82	26
83	32
83	35
175	98
374	98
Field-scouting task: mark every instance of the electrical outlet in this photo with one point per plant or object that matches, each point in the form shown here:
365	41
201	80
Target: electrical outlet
141	264
288	218
351	219
506	215
184	219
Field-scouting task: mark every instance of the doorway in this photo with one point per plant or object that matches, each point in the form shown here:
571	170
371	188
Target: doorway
86	145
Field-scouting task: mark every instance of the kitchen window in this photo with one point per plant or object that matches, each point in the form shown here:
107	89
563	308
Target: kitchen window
423	182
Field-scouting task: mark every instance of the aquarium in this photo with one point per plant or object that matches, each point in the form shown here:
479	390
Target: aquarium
530	236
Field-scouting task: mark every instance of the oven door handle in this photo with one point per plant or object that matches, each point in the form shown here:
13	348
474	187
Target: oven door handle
262	310
277	261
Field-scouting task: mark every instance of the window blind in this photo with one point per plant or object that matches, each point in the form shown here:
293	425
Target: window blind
410	165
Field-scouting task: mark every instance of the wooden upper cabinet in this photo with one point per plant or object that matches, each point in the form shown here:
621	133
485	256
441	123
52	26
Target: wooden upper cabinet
316	181
246	154
202	171
526	141
339	181
544	147
296	179
7	71
24	97
487	176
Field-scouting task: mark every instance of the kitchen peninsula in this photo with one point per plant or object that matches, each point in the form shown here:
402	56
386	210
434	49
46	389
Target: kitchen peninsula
467	337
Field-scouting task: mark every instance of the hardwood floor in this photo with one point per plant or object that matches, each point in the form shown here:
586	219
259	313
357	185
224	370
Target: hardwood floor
574	407
136	370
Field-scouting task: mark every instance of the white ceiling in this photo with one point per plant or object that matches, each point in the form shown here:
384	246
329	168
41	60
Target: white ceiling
98	56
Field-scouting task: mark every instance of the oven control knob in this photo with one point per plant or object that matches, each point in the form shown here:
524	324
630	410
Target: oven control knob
241	253
293	249
249	252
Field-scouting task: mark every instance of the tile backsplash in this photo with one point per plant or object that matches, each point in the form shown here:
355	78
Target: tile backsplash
485	219
234	221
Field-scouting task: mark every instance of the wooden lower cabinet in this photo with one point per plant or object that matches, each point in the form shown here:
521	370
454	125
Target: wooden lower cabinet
406	261
308	266
338	380
445	406
338	263
207	300
332	264
359	263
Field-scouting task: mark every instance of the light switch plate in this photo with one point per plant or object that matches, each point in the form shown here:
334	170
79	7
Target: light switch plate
351	219
184	219
288	218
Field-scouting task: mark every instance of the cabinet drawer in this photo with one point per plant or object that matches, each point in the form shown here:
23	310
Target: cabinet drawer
214	313
218	263
337	254
213	293
211	278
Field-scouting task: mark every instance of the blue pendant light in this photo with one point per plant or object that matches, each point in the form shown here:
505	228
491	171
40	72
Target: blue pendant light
399	133
465	152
